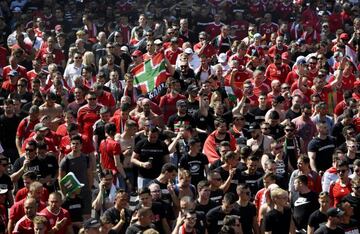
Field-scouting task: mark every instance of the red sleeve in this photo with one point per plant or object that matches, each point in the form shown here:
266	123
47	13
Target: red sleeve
14	211
20	132
331	194
88	147
80	121
232	142
117	149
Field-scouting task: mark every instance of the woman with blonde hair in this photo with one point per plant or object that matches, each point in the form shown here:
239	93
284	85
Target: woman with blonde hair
89	60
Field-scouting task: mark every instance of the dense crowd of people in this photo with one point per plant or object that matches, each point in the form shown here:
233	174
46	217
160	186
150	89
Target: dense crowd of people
216	116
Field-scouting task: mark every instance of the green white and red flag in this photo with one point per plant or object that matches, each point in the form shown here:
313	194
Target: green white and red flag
151	75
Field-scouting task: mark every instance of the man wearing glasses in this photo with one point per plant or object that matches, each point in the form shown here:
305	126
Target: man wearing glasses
354	197
73	69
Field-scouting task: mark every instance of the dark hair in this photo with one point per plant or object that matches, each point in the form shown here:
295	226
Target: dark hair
274	115
202	184
304	158
168	167
219	121
72	127
41	145
30	174
193	141
76	138
32	143
343	163
229	198
303	179
110	129
144	190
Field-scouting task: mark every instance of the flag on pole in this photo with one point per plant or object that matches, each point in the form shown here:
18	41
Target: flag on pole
150	76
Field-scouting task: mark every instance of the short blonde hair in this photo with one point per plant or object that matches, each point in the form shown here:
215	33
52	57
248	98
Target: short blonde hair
277	192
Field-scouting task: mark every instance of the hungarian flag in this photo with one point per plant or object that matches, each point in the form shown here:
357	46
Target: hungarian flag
150	76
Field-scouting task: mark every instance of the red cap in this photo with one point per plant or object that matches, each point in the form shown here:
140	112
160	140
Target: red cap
285	55
137	53
344	36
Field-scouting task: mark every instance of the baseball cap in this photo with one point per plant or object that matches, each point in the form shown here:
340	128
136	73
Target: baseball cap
188	51
3	190
300	41
174	39
13	73
124	48
257	36
158	42
17	10
91	223
137	53
301	60
40	127
192	88
279	99
222	58
180	103
334	212
253	127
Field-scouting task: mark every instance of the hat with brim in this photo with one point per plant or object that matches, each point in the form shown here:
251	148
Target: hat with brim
71	183
253	127
3	190
91	223
40	127
334	212
13	73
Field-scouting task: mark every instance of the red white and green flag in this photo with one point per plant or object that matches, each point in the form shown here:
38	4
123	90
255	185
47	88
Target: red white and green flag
151	75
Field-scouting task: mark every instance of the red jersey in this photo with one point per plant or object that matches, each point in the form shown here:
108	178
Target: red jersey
3	53
263	88
213	29
291	77
240	77
242	60
339	108
241	28
25	128
59	56
20	69
17	210
172	55
108	149
107	99
125	31
209	51
22	193
87	145
86	118
335	22
51	217
24	226
337	192
284	10
168	104
268	29
277	73
347	83
61	131
8	86
311	38
257	9
275	50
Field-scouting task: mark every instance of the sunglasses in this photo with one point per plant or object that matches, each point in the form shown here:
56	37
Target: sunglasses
77	58
286	87
265	128
91	99
29	150
289	130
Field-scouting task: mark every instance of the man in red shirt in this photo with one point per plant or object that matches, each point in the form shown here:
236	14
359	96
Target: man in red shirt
26	127
25	224
59	57
110	152
39	136
268	27
240	54
173	51
58	218
88	115
203	46
73	130
240	25
277	70
104	98
278	48
168	101
14	66
10	83
214	28
17	211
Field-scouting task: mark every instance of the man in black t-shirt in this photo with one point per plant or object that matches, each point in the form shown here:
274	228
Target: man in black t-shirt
303	203
251	175
331	226
149	155
143	222
319	216
195	162
181	119
321	149
215	217
5	181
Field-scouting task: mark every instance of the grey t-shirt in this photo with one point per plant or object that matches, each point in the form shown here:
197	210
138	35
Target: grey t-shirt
77	165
